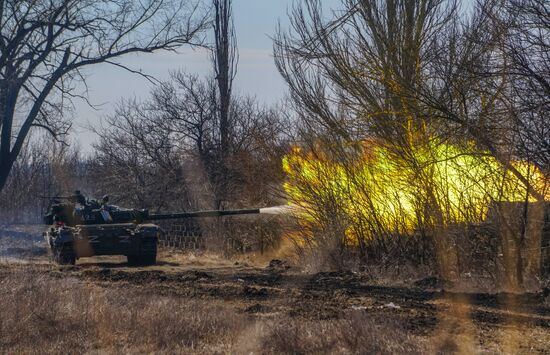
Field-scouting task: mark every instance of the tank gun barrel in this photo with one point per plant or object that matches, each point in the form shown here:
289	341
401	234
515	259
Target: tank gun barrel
202	214
54	197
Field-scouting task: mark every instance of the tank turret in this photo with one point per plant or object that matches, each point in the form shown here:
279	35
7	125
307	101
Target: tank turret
81	227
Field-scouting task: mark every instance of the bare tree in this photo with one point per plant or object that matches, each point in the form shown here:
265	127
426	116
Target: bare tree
137	160
362	60
224	58
467	91
46	43
527	46
166	148
404	71
352	74
410	78
189	110
43	168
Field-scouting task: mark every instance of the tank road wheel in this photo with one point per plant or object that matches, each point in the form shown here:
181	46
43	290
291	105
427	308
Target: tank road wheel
64	255
147	255
133	260
142	260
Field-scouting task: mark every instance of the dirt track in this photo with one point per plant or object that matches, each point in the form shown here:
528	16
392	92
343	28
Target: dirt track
457	321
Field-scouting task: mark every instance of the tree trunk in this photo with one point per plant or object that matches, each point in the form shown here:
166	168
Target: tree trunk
224	64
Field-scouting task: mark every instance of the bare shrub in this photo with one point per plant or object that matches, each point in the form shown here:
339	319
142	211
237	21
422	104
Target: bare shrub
409	119
359	333
40	314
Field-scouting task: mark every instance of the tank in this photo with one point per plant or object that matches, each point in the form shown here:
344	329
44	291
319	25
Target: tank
81	227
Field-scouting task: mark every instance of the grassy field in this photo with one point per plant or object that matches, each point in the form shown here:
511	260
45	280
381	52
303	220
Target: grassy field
205	304
191	303
63	311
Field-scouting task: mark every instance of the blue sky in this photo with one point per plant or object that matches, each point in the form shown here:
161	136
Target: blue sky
255	22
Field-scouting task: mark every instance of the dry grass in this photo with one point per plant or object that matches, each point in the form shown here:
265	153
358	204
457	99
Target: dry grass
359	333
41	314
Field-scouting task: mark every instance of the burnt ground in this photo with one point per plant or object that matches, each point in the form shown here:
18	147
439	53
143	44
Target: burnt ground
452	321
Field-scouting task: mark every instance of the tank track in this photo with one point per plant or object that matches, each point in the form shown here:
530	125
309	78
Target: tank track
64	255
